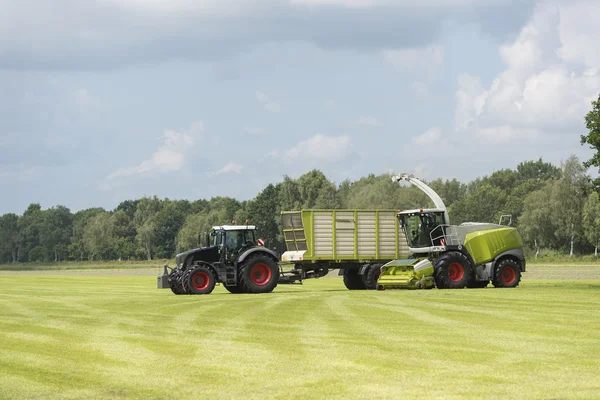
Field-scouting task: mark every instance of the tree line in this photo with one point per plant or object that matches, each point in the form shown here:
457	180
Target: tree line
552	206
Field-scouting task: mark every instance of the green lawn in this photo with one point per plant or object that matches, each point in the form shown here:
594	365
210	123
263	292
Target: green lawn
78	336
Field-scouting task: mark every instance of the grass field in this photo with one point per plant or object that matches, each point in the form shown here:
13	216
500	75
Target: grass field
66	334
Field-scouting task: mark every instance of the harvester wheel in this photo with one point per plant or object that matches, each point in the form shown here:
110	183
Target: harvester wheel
258	274
507	274
478	284
200	280
453	271
352	280
370	278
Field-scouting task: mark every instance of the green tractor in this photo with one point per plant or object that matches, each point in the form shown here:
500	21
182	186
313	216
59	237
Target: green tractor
453	256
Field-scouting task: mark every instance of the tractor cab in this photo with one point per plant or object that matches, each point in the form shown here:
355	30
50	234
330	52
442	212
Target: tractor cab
423	228
230	240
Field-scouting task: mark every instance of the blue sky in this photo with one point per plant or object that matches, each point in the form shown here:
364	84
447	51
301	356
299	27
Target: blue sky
104	101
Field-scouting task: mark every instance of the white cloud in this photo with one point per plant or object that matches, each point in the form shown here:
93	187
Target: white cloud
579	32
470	99
268	104
231	167
432	136
320	147
537	92
367	121
170	155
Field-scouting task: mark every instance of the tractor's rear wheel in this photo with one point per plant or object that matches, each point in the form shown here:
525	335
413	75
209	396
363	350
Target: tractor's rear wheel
234	289
371	276
258	274
507	274
352	280
199	280
453	271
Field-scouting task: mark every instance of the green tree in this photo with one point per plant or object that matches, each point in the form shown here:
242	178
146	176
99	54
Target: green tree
592	123
568	197
485	204
125	234
262	212
56	231
450	191
537	171
143	219
29	232
9	237
192	233
77	249
167	222
538	224
591	220
99	236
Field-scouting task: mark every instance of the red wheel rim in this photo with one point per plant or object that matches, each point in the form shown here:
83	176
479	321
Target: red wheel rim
260	274
456	271
509	275
200	280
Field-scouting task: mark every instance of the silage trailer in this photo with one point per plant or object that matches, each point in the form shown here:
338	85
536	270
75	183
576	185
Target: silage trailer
355	242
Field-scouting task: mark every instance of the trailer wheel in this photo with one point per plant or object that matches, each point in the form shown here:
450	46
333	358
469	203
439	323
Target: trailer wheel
453	271
200	280
352	280
370	278
507	274
258	274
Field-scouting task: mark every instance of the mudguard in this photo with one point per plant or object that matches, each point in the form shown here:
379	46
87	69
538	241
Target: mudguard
261	249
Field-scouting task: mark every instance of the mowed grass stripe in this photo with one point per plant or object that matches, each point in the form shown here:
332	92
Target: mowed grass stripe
119	337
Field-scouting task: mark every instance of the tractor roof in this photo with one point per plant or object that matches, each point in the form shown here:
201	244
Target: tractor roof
234	228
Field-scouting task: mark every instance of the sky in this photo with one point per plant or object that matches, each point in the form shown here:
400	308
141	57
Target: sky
107	100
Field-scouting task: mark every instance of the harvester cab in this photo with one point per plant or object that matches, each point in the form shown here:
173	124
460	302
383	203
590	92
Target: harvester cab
232	256
468	255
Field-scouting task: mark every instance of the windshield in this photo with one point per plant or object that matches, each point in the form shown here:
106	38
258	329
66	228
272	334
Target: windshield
236	239
418	227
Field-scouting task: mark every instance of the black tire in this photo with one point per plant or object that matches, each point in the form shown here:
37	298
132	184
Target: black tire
175	282
507	274
453	271
371	276
352	280
259	273
234	289
478	284
199	279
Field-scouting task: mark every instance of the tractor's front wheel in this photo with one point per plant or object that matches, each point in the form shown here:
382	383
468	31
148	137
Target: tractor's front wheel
200	280
507	274
258	274
453	271
175	282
